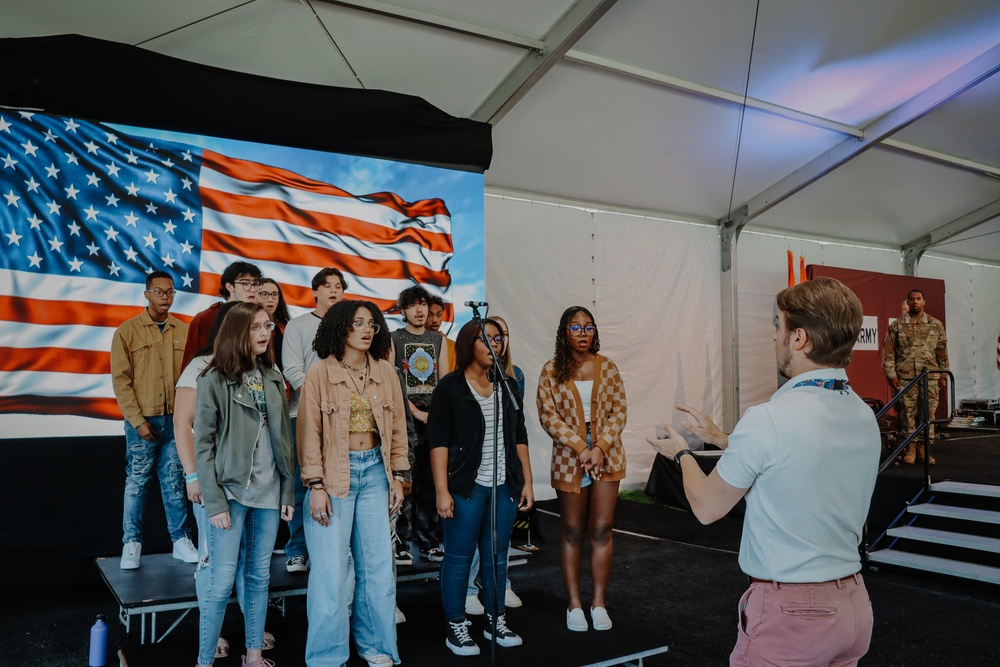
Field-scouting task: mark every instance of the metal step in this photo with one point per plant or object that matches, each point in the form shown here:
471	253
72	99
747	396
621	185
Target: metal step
985	490
955	568
963	540
950	512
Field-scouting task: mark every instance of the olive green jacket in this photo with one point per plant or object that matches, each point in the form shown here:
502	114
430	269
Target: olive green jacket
226	425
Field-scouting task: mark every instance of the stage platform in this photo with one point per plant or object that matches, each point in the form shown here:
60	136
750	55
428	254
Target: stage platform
541	622
165	584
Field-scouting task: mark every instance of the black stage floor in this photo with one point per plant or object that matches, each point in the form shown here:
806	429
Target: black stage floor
421	641
677	580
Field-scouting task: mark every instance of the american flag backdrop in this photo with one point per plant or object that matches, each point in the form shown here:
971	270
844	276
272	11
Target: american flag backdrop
87	211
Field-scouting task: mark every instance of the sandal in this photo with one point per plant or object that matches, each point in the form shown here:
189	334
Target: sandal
268	641
222	648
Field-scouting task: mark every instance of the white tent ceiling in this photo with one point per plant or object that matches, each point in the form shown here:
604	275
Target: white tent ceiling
639	103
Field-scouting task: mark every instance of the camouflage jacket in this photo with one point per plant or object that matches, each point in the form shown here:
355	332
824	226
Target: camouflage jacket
910	347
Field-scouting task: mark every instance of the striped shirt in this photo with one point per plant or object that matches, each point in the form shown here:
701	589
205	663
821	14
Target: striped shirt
484	477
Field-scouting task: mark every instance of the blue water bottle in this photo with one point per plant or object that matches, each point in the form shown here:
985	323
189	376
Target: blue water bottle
99	643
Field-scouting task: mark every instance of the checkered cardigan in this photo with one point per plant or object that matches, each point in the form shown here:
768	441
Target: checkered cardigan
561	413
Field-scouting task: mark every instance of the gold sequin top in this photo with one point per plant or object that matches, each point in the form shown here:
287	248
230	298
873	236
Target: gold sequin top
362	420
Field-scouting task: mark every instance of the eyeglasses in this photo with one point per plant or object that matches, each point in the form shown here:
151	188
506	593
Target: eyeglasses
577	330
361	325
249	284
157	292
267	295
499	339
266	325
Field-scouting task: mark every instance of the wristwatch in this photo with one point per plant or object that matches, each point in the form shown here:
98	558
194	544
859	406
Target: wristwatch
681	454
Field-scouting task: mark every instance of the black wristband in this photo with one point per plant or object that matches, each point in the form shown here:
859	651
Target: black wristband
681	454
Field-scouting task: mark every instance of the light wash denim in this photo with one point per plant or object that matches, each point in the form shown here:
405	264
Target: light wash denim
296	545
468	530
359	527
240	555
142	459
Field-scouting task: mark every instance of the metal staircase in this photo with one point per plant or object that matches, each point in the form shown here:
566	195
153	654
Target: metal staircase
951	528
961	538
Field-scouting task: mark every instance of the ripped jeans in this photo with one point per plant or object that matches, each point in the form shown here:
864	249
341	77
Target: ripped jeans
142	459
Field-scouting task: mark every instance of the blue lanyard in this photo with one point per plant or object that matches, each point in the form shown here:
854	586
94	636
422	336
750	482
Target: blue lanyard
836	385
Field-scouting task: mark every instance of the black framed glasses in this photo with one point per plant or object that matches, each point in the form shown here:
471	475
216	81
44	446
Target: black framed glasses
577	330
157	292
361	325
499	339
267	295
266	325
250	284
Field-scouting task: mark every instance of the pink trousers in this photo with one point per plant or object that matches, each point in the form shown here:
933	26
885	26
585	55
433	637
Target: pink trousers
806	625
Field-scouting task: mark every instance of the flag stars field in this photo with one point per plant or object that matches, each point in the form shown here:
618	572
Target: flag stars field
95	243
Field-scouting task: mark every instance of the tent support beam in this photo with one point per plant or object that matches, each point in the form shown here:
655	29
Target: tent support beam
570	27
913	109
729	232
682	85
914	249
442	22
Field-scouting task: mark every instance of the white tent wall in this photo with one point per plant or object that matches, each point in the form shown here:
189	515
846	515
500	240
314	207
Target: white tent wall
653	286
762	271
973	322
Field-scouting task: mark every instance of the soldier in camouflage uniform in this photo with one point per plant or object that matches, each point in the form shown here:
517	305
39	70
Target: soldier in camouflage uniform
915	341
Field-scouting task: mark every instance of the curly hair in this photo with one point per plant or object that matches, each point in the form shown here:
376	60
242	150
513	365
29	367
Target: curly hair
331	336
565	365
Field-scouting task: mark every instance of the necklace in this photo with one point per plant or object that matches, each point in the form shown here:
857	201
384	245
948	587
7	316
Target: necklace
362	374
357	371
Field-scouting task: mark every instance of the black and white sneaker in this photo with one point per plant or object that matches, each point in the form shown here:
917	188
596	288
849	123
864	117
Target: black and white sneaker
297	565
458	639
403	557
435	555
505	637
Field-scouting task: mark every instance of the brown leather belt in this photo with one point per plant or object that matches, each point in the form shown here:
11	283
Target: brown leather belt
842	580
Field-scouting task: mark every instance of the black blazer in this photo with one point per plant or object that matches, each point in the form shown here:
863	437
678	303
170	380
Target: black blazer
455	421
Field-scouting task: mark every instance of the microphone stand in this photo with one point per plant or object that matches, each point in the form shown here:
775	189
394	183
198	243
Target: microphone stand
497	379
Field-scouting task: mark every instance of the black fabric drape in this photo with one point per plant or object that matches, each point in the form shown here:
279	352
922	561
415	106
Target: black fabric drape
106	81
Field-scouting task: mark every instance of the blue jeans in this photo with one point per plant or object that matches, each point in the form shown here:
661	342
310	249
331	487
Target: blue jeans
468	530
296	545
243	550
142	458
473	573
359	526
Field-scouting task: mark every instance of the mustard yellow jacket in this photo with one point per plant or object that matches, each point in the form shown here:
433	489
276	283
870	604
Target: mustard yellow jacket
145	365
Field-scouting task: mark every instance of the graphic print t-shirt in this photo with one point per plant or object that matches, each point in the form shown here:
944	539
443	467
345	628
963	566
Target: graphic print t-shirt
417	357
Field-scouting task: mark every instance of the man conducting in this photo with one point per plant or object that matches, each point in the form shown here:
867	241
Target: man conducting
915	341
806	462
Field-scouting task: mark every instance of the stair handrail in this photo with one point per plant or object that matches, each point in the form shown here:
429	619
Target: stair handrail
922	429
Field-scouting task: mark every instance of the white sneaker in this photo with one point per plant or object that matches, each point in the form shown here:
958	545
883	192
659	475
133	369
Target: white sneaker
184	550
130	555
599	615
400	617
473	607
576	621
510	600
